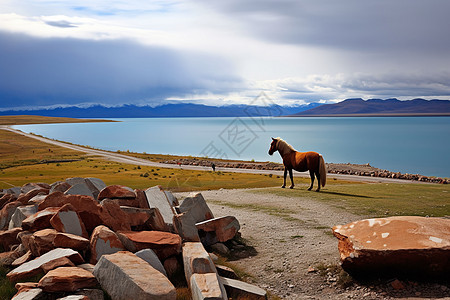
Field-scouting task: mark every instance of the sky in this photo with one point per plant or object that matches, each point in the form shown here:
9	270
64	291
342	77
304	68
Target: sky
114	52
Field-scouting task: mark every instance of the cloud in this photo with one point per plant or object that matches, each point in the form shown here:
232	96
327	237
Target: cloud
47	71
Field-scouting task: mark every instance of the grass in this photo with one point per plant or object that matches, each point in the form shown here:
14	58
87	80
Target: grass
24	119
7	289
380	199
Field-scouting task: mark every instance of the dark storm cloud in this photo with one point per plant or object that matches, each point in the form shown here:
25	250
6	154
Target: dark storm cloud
46	71
412	25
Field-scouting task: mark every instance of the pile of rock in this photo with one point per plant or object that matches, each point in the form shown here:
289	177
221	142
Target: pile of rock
406	246
83	236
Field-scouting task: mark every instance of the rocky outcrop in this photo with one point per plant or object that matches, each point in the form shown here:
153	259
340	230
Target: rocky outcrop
395	246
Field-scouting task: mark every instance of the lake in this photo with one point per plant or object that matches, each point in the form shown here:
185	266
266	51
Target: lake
418	145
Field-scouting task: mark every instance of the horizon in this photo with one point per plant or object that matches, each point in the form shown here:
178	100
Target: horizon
114	53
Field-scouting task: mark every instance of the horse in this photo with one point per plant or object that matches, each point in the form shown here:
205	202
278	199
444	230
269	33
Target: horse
300	161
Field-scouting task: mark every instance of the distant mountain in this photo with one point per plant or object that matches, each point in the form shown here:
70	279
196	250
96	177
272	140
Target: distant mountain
163	111
377	107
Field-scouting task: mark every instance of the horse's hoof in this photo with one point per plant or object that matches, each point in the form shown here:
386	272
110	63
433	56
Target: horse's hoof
291	187
317	190
309	189
283	186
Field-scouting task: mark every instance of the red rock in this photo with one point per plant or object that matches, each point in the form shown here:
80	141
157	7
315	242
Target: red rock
39	220
164	244
116	191
47	239
24	198
395	246
145	219
67	279
141	199
224	227
24	237
25	286
172	266
6	198
33	186
7	258
23	259
69	221
7	212
114	217
8	238
103	241
60	262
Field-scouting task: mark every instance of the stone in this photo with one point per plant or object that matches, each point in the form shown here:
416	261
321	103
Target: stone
406	245
196	260
67	220
8	238
33	186
23	259
92	294
116	191
20	214
150	257
67	279
7	212
87	267
30	294
103	241
156	198
196	205
184	225
172	199
164	244
6	198
59	186
7	258
45	240
80	189
123	275
25	237
60	262
226	272
114	217
39	220
75	180
37	199
33	267
141	198
25	286
207	286
25	198
145	218
241	290
224	227
95	185
220	248
14	191
171	266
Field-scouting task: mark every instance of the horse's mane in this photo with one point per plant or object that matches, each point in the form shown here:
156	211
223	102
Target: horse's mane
283	147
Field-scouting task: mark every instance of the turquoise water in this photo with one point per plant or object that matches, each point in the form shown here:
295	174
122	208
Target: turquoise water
405	144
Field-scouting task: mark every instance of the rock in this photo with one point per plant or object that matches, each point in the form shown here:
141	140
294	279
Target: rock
25	198
156	198
6	198
224	227
144	219
14	191
150	257
37	199
172	199
23	259
67	279
196	205
87	267
25	286
95	185
33	267
80	189
75	180
60	262
397	285
7	212
113	217
184	225
39	220
116	191
171	266
241	290
47	239
103	241
196	260
92	294
164	244
67	220
226	272
7	258
20	214
395	246
59	186
123	275
25	237
207	286
34	186
74	297
30	294
141	198
8	238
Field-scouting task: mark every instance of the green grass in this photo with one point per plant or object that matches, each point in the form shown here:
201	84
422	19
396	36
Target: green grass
379	199
7	289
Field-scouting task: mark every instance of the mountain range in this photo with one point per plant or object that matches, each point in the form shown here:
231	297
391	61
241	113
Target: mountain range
164	111
379	107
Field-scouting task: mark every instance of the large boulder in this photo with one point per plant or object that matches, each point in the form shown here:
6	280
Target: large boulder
164	244
67	279
196	206
67	220
123	275
24	198
184	225
207	286
80	189
225	228
395	246
116	191
39	220
145	218
33	267
45	240
150	256
156	198
196	260
20	214
103	241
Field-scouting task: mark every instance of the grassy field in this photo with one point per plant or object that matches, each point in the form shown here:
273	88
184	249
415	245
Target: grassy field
21	120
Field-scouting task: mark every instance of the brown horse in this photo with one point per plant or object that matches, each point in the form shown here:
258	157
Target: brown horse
300	161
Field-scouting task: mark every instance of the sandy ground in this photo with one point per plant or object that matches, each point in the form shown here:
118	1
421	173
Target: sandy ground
287	245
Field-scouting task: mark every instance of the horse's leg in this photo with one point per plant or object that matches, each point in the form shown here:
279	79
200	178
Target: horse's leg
311	174
284	182
318	181
292	179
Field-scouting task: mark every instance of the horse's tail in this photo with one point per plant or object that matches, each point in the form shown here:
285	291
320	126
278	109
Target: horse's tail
322	171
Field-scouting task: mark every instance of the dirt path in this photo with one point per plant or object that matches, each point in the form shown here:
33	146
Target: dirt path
291	234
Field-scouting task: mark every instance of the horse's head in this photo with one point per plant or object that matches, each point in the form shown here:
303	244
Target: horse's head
273	146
